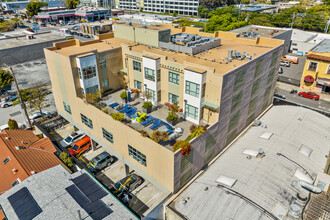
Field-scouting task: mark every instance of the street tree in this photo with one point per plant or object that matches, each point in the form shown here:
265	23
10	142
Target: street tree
34	7
5	78
72	4
34	98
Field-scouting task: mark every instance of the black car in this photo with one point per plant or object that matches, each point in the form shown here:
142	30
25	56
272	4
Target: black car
80	34
74	33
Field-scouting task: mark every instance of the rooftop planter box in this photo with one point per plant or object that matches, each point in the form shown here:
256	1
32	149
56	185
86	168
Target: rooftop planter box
147	106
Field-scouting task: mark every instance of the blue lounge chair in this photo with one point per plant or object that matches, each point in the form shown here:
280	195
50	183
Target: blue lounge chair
133	111
124	108
110	102
167	125
114	105
129	109
147	121
169	131
156	125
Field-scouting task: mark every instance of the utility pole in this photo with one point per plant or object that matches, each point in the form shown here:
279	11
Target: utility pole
20	96
293	16
205	21
239	10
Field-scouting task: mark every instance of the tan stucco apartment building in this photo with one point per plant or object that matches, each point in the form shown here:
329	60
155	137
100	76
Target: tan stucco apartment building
219	80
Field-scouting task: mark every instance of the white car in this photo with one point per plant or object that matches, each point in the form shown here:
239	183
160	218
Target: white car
72	138
37	115
8	101
285	63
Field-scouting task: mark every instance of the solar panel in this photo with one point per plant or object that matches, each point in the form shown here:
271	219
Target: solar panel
89	187
96	210
24	204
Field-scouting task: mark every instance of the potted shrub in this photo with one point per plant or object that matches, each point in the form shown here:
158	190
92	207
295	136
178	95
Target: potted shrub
118	116
123	95
147	106
172	117
12	124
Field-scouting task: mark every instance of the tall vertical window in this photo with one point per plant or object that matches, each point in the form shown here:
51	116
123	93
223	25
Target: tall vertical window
136	66
67	108
159	95
312	66
138	85
137	155
158	75
192	88
103	64
152	94
105	83
203	89
89	72
174	78
191	111
107	135
86	121
149	74
173	98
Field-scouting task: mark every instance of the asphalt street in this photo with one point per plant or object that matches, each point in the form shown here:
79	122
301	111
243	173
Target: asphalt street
285	89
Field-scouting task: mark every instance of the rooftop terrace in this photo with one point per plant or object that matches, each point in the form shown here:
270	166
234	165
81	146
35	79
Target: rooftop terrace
179	131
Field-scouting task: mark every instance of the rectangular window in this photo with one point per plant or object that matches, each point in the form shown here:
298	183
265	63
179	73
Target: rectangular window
137	155
103	64
92	89
107	135
67	108
136	66
312	66
173	98
174	78
6	160
138	85
86	121
192	88
152	94
89	72
191	111
149	74
159	96
105	83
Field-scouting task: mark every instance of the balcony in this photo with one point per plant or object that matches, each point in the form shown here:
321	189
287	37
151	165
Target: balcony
178	131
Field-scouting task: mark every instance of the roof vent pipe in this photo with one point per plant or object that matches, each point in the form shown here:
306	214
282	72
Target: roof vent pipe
310	187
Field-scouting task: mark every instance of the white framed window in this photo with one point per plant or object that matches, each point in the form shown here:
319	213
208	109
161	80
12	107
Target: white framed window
192	88
191	111
149	74
312	66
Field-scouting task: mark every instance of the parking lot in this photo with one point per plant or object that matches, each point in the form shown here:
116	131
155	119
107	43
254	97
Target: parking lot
295	70
142	199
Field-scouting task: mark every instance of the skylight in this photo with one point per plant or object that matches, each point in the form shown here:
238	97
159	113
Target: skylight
253	153
6	160
225	180
305	150
266	135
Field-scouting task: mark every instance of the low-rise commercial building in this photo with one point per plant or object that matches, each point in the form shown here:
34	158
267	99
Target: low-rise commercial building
15	6
26	47
57	194
316	75
267	173
304	41
23	154
219	81
83	13
96	28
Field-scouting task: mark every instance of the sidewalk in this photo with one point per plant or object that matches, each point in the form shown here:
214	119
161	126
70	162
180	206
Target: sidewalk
288	87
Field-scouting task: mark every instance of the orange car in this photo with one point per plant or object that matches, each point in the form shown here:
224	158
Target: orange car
80	146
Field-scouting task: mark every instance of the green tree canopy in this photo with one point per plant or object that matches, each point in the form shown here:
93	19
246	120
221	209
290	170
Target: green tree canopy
35	98
33	8
72	4
5	78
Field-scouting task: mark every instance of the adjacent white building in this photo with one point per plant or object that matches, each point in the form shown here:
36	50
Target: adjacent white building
182	7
